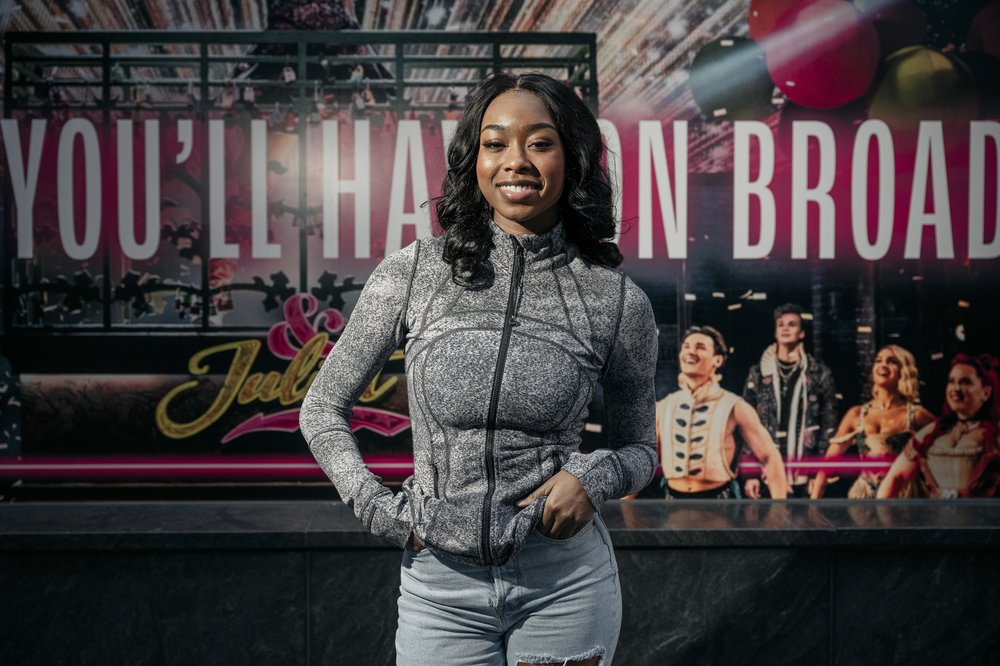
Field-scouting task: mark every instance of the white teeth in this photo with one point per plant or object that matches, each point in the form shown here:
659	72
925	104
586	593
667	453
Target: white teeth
517	188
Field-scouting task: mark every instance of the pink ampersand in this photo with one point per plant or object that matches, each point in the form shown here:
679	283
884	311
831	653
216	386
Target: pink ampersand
286	338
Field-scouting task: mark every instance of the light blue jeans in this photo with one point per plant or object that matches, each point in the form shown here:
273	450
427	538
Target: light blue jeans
554	601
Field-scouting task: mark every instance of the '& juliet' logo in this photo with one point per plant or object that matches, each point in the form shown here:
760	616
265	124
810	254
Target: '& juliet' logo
304	344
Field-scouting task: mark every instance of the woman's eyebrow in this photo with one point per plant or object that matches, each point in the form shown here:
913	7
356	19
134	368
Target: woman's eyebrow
529	128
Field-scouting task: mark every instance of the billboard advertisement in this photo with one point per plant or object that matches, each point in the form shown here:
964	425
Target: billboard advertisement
194	196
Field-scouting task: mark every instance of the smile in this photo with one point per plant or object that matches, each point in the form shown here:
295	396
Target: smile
519	193
519	187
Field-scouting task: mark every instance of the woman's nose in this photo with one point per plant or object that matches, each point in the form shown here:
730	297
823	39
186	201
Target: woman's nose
516	159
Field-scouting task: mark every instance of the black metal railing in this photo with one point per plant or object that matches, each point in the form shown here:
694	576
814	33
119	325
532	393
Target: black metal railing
198	75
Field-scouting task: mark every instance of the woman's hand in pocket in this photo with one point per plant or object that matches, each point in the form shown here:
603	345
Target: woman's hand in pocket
567	507
414	544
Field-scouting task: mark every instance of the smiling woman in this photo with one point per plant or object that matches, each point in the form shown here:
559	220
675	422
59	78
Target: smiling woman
882	426
559	147
509	322
521	166
958	454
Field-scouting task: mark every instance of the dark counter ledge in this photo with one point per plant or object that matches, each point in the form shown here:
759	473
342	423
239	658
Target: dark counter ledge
301	583
633	524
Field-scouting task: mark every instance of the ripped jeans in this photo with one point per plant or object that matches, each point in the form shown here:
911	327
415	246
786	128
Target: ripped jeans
554	601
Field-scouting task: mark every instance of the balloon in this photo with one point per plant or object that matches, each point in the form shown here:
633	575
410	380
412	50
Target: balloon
922	83
822	54
898	23
763	14
984	33
729	80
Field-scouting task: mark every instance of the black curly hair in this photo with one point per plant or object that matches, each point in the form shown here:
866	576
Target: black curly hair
586	205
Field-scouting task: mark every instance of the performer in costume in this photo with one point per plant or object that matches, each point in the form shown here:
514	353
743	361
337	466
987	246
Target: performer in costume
696	427
881	427
957	455
795	397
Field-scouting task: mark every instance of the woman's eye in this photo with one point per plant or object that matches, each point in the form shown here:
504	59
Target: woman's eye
541	145
492	145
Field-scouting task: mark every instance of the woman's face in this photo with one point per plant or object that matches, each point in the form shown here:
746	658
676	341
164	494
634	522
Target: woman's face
966	392
886	370
521	166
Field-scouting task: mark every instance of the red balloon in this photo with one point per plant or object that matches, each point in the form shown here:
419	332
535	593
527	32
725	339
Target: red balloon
984	33
822	54
763	14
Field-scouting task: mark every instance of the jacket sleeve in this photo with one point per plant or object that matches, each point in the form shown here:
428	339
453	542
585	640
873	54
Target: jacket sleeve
630	402
376	328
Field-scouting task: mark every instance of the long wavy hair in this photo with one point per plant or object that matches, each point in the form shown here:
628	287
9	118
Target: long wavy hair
586	205
908	385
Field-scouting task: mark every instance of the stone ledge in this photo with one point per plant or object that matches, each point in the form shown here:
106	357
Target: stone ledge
52	526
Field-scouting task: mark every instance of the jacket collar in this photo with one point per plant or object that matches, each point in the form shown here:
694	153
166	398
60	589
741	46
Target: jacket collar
710	390
540	251
769	360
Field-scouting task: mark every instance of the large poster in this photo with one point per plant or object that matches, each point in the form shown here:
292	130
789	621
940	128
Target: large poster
190	209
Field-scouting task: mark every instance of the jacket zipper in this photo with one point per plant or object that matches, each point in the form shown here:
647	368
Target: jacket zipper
491	419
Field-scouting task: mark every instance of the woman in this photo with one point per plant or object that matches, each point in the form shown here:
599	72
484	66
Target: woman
957	455
883	425
510	319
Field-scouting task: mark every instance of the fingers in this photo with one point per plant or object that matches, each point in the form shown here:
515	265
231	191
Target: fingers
540	491
567	507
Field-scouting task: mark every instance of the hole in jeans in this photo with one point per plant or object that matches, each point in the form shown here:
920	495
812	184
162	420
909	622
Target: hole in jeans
593	657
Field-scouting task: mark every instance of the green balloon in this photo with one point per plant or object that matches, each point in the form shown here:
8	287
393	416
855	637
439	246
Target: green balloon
729	80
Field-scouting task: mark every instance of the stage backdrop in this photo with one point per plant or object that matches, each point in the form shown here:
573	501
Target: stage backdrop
195	193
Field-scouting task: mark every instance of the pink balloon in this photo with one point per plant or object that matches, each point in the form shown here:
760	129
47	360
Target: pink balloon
822	54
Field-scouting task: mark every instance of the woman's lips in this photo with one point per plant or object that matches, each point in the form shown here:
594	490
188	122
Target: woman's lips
519	193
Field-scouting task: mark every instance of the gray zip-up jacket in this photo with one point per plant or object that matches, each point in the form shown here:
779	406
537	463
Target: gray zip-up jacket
499	379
